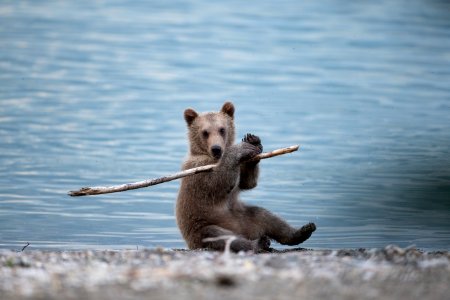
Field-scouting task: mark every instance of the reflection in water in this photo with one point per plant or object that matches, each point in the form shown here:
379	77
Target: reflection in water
92	93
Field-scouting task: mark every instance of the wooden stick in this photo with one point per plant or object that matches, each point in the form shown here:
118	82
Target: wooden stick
97	190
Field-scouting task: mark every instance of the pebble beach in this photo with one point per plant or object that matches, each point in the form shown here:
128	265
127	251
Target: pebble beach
387	273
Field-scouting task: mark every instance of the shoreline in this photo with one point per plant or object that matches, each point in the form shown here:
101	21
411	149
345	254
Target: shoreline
387	273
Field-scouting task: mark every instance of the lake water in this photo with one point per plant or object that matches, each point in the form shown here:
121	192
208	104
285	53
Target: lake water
93	92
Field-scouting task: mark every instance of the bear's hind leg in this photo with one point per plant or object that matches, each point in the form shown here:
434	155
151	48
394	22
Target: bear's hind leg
275	227
303	233
215	237
290	236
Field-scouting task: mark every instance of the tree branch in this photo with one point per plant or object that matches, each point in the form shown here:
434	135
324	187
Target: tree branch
97	190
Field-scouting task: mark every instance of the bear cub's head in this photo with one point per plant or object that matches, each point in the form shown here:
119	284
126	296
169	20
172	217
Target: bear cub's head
211	133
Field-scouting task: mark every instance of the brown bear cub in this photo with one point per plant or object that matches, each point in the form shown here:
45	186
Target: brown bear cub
208	204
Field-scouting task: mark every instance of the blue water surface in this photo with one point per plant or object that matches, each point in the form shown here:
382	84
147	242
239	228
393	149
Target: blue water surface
93	92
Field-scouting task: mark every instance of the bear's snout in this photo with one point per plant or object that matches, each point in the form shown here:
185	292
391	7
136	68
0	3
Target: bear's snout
216	151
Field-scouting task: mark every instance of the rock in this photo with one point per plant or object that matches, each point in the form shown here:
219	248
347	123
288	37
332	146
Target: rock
388	273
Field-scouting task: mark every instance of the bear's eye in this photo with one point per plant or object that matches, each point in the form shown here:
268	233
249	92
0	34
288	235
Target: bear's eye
205	134
222	131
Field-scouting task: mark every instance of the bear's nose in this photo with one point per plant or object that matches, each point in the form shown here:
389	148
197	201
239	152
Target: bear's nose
216	151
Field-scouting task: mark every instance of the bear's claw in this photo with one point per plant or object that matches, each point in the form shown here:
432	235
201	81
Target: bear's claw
253	140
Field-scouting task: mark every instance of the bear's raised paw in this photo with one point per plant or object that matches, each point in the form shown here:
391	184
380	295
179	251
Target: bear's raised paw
248	151
254	140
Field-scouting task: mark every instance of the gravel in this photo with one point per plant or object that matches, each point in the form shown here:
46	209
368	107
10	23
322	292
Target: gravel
388	273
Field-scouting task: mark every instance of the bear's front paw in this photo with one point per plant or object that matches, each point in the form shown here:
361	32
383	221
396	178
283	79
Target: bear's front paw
248	151
254	140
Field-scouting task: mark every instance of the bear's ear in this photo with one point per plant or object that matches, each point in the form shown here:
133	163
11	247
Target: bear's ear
190	115
228	108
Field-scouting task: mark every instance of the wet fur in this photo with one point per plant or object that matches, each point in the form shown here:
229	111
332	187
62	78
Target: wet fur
208	204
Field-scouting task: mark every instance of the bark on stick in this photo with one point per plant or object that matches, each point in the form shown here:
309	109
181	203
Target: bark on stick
97	190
